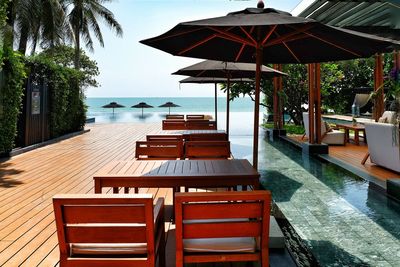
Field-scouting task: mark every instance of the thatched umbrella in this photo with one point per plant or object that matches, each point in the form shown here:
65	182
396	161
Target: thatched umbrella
142	105
113	105
169	105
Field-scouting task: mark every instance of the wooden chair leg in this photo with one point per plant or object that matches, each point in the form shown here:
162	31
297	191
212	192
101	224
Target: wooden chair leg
126	190
115	190
365	158
136	190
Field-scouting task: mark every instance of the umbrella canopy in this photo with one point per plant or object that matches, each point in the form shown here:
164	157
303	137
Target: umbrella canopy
213	80
113	105
169	105
265	35
212	68
142	105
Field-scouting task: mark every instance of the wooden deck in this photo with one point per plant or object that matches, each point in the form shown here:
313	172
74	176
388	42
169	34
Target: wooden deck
29	181
352	154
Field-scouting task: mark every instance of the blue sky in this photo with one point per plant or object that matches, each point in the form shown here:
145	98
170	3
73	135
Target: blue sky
130	69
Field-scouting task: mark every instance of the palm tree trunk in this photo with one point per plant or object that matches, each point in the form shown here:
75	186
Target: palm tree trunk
23	40
77	48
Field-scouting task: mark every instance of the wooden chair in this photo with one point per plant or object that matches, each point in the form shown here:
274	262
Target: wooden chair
208	137
165	137
173	125
207	149
175	117
159	150
201	125
222	227
195	117
110	230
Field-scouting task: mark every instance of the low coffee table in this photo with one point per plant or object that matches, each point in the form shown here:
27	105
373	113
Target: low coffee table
356	128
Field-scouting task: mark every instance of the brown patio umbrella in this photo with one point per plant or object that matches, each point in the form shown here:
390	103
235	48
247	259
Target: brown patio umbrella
266	35
215	81
169	105
142	105
113	105
228	70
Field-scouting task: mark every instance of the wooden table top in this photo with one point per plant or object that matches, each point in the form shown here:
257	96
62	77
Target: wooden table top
178	168
350	126
188	132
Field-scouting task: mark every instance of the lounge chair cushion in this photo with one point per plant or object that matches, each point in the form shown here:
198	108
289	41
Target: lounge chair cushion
108	249
383	120
230	244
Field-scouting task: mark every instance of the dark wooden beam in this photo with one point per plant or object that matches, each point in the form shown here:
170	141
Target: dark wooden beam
379	104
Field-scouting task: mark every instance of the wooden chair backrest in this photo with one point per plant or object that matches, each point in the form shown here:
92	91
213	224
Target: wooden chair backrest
208	137
175	117
201	125
173	125
243	214
165	137
195	117
108	219
159	150
207	149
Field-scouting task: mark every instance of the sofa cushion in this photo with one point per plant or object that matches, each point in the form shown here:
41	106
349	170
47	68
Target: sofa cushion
383	120
108	249
229	244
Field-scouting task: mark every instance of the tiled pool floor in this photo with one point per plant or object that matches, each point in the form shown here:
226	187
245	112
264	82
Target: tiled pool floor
342	220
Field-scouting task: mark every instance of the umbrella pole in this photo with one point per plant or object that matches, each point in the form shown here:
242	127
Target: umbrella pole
257	105
142	112
216	105
169	110
228	88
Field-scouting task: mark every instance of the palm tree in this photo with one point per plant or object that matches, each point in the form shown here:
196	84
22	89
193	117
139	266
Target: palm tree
41	21
83	16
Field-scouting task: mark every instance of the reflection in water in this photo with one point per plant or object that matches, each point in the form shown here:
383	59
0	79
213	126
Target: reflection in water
336	213
143	117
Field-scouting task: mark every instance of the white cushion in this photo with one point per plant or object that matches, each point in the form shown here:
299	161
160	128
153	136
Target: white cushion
381	146
331	138
230	244
388	115
108	249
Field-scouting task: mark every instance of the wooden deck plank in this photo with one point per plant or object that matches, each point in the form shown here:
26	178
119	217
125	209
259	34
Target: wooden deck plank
353	155
28	182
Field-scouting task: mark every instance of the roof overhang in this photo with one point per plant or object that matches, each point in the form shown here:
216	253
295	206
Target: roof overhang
377	17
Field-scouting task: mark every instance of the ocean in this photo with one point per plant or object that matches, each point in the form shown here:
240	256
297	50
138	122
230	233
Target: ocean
241	111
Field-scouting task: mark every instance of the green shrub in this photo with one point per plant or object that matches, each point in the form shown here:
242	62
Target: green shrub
290	128
66	106
11	92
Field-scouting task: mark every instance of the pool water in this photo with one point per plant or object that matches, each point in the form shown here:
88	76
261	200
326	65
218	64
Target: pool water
340	217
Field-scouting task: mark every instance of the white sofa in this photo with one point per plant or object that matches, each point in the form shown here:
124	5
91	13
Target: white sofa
383	146
330	138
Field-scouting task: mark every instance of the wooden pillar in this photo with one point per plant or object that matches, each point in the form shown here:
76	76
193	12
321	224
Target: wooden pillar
277	101
311	120
228	82
396	59
379	104
216	104
314	103
317	102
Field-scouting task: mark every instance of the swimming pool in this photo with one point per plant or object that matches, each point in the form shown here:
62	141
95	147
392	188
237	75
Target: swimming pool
338	215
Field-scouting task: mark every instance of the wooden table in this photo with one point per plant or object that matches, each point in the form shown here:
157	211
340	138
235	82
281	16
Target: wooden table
356	128
176	173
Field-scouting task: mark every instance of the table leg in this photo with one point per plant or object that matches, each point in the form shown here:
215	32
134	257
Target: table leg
347	134
356	137
115	190
97	187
